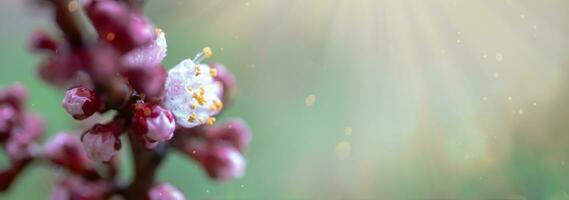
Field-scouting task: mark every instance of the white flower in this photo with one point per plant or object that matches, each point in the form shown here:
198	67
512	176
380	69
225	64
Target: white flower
192	93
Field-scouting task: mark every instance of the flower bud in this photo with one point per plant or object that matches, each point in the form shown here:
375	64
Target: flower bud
227	80
165	191
67	151
233	132
14	95
192	94
236	133
41	41
121	27
8	119
81	102
100	61
222	162
78	188
147	80
150	54
153	122
59	69
22	143
102	142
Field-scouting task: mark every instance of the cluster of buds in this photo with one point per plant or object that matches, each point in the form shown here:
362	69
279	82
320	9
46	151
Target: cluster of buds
19	132
120	69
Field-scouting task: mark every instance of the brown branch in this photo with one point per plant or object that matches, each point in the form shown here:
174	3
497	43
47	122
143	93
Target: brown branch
66	16
146	163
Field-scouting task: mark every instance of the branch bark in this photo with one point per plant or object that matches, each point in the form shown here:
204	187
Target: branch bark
146	164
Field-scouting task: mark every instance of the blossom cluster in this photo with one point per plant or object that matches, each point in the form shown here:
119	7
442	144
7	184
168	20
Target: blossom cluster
120	69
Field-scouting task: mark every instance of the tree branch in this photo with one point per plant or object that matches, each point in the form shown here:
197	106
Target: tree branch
146	163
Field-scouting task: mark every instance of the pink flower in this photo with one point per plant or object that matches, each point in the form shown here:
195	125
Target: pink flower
165	191
102	142
81	102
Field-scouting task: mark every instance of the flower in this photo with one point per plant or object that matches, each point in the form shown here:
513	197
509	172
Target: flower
192	94
153	123
102	142
165	191
81	102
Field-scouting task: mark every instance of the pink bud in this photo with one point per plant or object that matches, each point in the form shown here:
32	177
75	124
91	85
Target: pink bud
165	191
22	142
41	41
102	142
227	81
153	122
147	80
235	132
67	151
81	102
59	69
77	188
150	54
123	28
14	95
8	118
100	61
222	162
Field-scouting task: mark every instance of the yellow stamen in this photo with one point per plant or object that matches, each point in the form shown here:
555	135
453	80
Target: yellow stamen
207	52
198	70
147	112
200	97
158	31
192	117
218	104
213	72
210	120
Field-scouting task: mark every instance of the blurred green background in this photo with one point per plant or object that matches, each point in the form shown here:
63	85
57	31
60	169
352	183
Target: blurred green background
359	99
